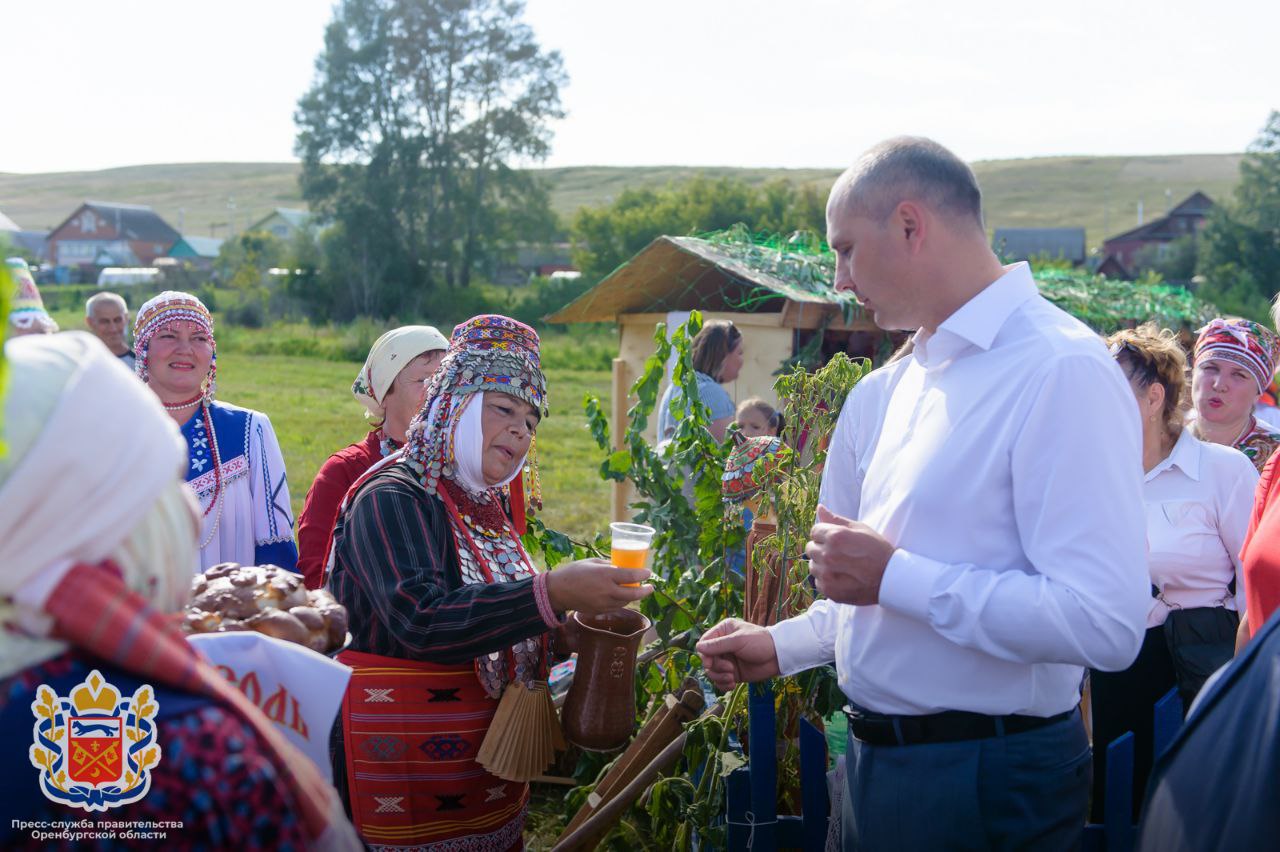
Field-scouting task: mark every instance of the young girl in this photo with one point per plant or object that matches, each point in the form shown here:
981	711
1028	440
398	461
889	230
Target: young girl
756	417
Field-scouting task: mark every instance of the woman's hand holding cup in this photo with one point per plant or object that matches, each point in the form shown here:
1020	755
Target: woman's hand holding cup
594	585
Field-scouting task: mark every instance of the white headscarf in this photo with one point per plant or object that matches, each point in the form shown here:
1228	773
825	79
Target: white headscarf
468	447
387	357
93	471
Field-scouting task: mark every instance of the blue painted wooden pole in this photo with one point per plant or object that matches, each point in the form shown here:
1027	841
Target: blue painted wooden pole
815	802
1119	798
764	764
737	803
1168	719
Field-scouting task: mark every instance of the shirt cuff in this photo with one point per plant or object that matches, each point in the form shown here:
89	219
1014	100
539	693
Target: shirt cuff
549	616
797	645
908	583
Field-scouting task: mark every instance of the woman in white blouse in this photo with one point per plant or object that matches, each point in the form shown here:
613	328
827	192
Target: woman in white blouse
1198	500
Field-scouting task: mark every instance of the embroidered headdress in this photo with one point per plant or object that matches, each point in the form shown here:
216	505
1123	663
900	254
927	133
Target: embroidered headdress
172	306
1242	342
488	353
26	310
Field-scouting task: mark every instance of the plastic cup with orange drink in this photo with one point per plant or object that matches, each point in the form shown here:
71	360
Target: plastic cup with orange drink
630	548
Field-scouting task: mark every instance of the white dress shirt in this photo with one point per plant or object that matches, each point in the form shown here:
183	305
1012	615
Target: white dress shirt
1003	460
1199	500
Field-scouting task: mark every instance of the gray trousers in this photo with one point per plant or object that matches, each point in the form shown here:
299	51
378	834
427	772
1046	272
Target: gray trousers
1027	791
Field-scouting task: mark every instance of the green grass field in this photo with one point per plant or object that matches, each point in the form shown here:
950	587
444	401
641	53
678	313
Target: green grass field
1098	193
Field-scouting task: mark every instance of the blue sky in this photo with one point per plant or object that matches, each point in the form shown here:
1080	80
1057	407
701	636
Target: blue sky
801	83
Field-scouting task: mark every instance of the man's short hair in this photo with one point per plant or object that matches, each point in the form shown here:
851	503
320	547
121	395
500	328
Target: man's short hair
98	298
911	168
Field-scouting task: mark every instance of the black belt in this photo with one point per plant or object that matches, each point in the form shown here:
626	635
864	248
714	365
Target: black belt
945	727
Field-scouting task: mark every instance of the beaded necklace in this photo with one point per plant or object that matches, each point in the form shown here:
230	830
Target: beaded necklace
217	474
181	405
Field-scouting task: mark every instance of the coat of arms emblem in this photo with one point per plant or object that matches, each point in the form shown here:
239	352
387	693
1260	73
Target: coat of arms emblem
95	749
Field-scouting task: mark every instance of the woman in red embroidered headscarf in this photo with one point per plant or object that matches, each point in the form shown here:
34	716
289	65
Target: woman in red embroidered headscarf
95	556
446	608
1234	363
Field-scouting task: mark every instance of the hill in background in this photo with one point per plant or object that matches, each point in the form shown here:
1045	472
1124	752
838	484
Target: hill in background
1099	193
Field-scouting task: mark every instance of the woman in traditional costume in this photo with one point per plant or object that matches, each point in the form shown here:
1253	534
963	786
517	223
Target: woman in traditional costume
234	466
26	309
390	386
1234	363
446	609
97	535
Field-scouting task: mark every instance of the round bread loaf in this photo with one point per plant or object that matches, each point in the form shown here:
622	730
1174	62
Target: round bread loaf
281	625
230	597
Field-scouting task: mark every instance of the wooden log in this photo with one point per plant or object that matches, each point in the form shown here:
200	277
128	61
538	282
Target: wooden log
656	734
608	814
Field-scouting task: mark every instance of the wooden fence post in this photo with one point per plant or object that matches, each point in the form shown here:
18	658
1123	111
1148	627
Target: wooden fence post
762	734
815	801
1119	799
737	803
618	492
1168	719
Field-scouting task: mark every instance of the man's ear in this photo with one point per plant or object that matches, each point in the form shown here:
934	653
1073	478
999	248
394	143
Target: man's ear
910	219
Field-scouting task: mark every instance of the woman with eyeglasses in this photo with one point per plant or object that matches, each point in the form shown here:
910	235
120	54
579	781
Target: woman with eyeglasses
1234	362
1198	498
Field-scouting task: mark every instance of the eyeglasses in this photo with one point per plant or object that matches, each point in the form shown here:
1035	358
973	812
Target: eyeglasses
1142	370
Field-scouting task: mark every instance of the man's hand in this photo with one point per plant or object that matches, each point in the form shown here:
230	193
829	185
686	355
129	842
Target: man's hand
735	651
847	558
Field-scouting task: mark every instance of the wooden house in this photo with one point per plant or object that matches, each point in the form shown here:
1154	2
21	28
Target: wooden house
283	222
200	252
1185	219
100	234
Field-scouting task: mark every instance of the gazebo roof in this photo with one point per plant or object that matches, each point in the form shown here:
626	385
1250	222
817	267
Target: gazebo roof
723	271
734	270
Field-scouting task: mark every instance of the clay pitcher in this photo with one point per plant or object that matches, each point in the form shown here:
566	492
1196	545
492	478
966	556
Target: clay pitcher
600	711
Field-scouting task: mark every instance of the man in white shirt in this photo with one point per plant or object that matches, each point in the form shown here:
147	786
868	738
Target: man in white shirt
989	544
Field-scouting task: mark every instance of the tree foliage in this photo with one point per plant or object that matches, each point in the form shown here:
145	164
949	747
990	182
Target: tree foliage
408	138
606	237
1240	249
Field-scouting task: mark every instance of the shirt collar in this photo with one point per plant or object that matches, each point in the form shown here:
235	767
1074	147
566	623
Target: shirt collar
979	320
1184	455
